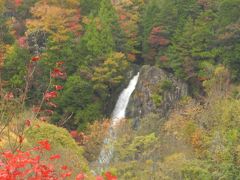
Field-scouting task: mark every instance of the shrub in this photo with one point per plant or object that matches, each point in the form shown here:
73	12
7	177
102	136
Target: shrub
166	85
62	143
157	99
30	165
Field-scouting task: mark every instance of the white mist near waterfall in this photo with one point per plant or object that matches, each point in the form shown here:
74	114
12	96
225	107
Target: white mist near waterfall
118	114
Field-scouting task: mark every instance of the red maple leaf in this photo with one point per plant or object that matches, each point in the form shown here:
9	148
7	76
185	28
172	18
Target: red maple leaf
58	87
74	134
56	156
45	145
50	95
80	176
99	178
109	176
35	58
66	174
64	167
56	73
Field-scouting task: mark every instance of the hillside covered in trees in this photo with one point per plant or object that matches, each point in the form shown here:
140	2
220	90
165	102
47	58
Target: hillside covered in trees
63	64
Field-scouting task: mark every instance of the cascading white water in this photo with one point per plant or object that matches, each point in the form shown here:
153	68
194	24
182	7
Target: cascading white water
118	114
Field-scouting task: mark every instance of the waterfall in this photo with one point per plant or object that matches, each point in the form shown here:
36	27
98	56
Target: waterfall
118	114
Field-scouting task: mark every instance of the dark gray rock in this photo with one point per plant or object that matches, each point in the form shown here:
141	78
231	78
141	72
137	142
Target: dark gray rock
156	92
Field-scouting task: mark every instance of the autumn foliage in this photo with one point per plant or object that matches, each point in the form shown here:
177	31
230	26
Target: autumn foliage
157	37
30	165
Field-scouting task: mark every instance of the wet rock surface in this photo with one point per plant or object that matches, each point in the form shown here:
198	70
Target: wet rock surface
156	92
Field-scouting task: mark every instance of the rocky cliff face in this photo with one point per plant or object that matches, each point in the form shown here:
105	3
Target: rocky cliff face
156	92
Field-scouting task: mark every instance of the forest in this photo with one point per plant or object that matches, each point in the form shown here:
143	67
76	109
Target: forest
64	65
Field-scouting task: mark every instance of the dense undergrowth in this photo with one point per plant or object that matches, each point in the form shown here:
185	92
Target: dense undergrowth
196	141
